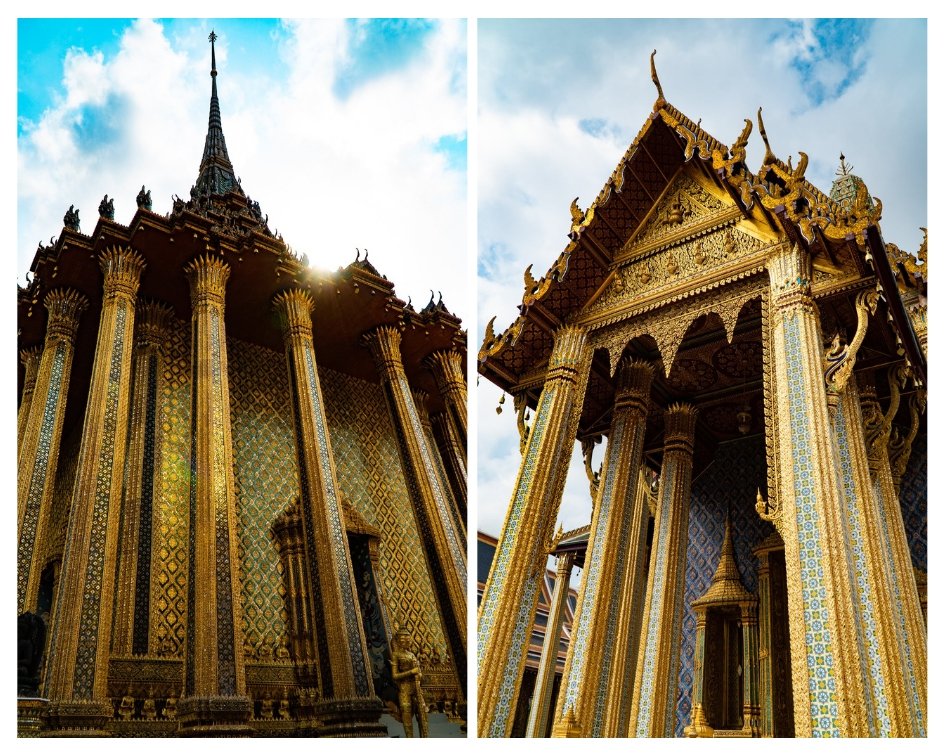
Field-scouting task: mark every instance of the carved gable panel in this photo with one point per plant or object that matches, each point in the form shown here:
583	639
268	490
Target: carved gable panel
684	206
681	267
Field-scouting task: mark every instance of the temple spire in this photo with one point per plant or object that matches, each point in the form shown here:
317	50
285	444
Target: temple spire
216	171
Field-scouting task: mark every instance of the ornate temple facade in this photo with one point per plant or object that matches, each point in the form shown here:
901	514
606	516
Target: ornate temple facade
239	479
755	355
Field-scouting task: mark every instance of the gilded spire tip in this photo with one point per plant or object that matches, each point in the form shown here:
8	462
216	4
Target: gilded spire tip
213	53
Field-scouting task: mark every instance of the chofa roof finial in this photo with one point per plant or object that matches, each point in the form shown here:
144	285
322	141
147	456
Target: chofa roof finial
769	155
660	101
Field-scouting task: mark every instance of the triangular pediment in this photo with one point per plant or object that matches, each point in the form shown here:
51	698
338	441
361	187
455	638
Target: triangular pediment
685	206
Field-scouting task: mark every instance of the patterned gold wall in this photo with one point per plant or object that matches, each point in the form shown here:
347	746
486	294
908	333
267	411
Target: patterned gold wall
172	497
370	476
266	474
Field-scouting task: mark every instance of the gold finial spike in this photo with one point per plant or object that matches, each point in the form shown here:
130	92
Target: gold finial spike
769	155
660	101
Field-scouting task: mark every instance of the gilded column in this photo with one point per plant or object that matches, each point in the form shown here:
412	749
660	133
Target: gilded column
133	588
447	368
79	651
508	604
453	454
825	657
445	545
540	712
906	608
595	689
39	444
420	398
653	713
214	701
348	701
886	677
30	359
751	705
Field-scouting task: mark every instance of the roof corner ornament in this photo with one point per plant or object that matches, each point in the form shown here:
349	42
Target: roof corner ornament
106	208
71	219
660	100
143	199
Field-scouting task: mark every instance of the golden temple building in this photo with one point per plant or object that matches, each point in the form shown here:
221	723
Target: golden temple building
755	355
241	482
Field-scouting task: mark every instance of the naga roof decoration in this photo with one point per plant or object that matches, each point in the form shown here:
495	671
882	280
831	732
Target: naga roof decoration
778	195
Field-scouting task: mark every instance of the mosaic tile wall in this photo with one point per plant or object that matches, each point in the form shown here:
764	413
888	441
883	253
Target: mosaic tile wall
914	498
266	477
731	480
172	497
370	477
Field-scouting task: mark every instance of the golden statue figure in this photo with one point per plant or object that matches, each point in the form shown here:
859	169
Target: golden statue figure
406	672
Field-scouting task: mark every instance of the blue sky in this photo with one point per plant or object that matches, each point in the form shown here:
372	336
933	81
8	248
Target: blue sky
364	119
560	101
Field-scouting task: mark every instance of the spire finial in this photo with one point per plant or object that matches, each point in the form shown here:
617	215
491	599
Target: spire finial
213	53
844	169
660	100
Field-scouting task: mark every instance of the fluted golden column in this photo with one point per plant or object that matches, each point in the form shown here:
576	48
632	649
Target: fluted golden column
79	652
444	544
420	398
30	360
214	700
453	454
905	607
541	712
825	651
595	690
507	612
447	368
653	713
765	676
347	685
39	444
133	587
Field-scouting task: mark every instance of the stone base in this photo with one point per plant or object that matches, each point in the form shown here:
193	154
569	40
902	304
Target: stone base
350	718
78	719
215	717
29	716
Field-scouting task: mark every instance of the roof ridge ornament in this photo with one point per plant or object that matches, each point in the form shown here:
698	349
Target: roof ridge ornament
844	169
660	100
769	155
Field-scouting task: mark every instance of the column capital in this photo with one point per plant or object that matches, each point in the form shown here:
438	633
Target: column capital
65	306
122	268
568	351
633	384
564	564
384	343
151	322
294	310
446	365
207	276
789	268
679	427
30	359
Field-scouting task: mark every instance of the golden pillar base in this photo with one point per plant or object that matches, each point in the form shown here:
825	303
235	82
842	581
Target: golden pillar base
350	718
699	727
29	716
215	717
78	719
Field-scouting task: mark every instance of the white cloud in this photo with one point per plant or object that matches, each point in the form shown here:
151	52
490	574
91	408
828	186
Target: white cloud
333	174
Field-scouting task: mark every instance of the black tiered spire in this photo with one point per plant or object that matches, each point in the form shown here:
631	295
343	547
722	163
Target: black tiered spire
216	171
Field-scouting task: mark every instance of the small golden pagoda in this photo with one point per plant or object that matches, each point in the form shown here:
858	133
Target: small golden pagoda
238	476
748	344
